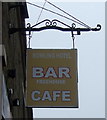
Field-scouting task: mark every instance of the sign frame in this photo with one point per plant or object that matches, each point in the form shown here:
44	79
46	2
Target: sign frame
37	56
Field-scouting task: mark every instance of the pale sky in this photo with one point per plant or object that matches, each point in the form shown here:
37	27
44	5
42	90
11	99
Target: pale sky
91	56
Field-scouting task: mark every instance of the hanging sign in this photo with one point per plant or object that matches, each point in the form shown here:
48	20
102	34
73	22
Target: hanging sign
52	78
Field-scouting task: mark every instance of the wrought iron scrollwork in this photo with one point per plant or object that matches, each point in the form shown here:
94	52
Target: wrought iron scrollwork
50	23
54	24
58	21
97	28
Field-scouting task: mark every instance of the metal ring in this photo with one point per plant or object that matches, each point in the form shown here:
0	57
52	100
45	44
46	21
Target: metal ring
54	23
73	25
29	25
48	23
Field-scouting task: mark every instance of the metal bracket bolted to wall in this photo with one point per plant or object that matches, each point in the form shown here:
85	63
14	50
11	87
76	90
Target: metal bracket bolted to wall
53	25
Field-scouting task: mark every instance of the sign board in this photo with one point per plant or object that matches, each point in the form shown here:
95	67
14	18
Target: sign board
52	78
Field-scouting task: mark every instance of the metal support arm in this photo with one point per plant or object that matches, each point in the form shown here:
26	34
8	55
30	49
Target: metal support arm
53	25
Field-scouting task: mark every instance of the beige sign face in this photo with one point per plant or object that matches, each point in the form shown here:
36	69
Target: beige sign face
52	78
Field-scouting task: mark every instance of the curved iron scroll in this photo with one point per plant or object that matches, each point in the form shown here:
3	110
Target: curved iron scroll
51	23
54	25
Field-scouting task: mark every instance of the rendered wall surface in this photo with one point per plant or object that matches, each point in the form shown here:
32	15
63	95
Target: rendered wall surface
14	14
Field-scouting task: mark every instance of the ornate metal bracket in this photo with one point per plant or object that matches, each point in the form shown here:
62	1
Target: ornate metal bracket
53	25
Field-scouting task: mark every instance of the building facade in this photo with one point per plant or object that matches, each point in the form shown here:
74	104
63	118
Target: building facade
13	61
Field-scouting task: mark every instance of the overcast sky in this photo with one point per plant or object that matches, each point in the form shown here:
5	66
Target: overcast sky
91	56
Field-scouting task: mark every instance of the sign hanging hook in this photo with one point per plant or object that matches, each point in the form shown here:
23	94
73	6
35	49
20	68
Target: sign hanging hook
29	26
72	33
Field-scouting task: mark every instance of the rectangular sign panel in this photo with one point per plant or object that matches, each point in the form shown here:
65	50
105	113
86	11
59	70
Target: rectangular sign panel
52	78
